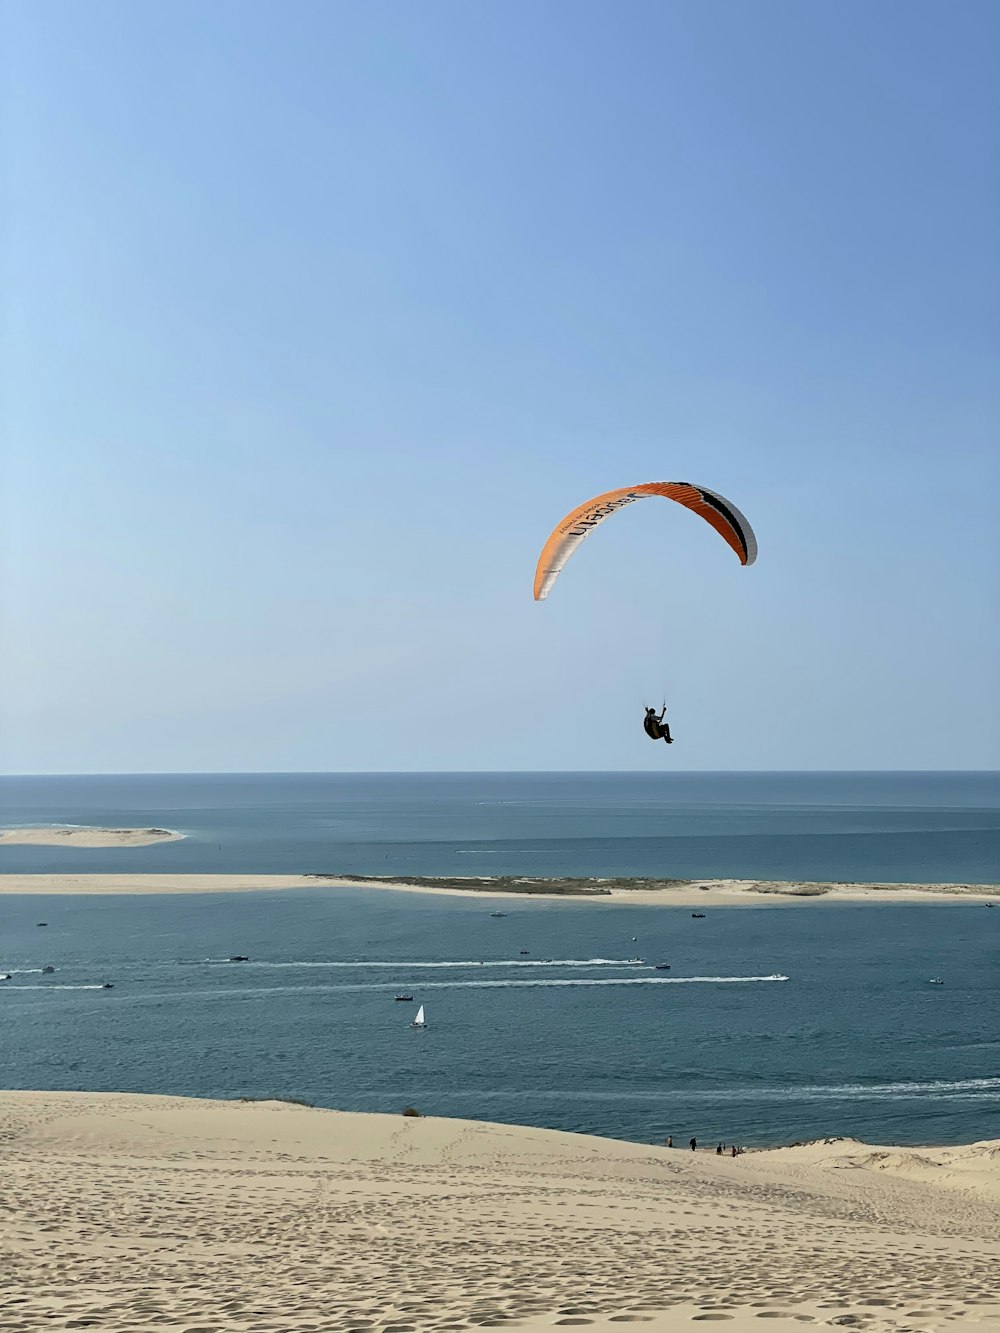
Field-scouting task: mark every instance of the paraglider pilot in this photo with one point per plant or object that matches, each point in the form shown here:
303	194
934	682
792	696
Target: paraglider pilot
655	727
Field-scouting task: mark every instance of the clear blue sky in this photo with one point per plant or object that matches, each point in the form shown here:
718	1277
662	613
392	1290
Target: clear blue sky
318	316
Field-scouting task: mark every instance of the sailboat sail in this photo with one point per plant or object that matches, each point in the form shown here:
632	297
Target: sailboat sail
419	1021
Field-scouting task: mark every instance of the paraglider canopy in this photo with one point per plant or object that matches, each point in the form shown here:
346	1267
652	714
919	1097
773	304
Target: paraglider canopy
567	535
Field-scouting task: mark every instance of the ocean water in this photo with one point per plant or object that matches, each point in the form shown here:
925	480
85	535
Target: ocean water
838	826
542	1016
571	1035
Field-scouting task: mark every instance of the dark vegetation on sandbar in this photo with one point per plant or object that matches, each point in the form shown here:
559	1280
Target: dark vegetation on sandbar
568	887
578	888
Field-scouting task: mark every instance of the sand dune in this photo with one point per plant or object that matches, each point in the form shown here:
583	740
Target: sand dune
974	1167
671	893
135	1213
87	837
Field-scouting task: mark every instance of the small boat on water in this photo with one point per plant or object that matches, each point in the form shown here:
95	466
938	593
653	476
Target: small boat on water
698	916
404	997
4	976
498	914
238	958
935	981
419	1021
107	985
48	968
524	951
663	967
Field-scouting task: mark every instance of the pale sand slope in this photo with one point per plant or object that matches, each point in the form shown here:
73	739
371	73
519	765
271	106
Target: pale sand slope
88	837
700	893
129	1213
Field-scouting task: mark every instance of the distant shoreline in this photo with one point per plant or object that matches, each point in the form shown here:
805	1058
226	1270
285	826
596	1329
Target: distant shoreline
76	835
644	892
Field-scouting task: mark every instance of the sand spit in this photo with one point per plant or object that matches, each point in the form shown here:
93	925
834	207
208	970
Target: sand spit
56	884
679	892
87	837
127	1213
642	892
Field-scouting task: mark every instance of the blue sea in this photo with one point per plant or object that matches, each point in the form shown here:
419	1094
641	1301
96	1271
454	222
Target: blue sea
896	827
554	1014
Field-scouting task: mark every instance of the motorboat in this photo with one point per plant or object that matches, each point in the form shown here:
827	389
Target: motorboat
663	967
238	958
404	997
498	914
935	981
524	951
4	976
107	985
48	968
698	916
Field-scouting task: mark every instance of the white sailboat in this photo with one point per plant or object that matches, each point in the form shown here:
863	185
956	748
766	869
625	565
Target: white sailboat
419	1021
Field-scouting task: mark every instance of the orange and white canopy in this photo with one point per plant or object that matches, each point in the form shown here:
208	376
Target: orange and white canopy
724	517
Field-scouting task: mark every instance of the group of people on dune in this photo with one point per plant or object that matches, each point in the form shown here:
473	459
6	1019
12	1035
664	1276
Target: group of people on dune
733	1150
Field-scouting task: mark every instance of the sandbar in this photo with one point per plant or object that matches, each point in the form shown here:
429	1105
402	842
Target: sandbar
128	1212
640	892
75	836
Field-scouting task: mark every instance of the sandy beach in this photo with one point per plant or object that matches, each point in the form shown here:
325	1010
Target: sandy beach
672	893
130	1212
72	836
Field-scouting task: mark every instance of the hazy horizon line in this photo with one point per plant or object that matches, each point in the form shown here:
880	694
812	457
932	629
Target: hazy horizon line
485	772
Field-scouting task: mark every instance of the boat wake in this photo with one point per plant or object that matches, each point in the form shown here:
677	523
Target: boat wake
969	1089
400	964
604	981
58	985
966	1089
508	983
932	1088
